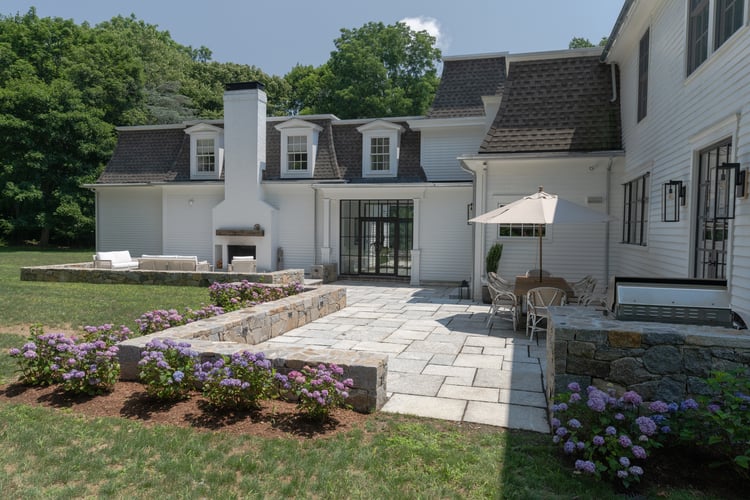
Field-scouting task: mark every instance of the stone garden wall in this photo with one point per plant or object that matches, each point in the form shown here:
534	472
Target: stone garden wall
85	273
658	360
240	330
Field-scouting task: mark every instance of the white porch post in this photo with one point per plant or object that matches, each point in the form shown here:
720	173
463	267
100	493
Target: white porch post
325	249
480	205
415	251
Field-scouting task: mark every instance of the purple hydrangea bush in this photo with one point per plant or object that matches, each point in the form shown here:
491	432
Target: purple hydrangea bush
319	389
161	319
83	366
90	368
718	423
106	333
233	296
238	381
607	436
41	360
167	369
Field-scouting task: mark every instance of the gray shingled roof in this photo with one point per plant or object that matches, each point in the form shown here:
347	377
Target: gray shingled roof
559	104
149	155
163	155
463	84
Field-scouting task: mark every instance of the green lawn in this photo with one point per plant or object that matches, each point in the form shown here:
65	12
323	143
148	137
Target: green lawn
56	454
74	305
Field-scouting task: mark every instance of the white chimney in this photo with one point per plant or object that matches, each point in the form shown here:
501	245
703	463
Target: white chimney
244	218
244	138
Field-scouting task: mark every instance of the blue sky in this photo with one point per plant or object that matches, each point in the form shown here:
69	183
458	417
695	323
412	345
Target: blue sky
274	35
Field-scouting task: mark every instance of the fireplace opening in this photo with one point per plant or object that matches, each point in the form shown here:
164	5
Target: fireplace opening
240	251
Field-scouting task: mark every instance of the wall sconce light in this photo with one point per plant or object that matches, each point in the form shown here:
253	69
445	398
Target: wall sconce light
469	213
672	199
728	186
190	202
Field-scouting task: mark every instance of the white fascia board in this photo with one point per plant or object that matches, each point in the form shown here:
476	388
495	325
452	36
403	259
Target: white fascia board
480	160
464	121
555	54
151	127
467	57
355	121
303	117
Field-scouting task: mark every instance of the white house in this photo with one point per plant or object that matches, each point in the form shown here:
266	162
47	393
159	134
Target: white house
379	197
685	105
293	192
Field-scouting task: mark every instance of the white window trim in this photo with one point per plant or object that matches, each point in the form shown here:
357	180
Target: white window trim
206	131
380	129
295	128
712	49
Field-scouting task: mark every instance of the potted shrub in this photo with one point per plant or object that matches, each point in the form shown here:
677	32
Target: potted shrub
491	261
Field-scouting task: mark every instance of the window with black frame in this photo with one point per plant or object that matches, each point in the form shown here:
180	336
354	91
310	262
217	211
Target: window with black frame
635	211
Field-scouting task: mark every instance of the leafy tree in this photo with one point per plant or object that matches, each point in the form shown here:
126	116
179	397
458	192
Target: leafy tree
304	83
57	90
379	70
581	43
204	84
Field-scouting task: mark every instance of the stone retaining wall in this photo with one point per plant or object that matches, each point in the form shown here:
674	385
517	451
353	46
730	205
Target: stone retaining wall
240	330
658	360
85	273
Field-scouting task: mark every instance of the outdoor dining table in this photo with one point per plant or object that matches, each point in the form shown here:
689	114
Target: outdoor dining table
526	283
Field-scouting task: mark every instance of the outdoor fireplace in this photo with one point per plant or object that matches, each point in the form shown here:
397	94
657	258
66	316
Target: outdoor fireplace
240	251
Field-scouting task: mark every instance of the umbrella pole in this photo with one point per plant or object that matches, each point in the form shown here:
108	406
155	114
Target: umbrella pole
539	228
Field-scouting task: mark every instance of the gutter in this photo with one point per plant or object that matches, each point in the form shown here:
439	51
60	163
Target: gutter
616	29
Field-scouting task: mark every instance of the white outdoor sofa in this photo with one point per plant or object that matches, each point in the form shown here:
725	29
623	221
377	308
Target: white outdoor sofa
172	263
119	259
241	264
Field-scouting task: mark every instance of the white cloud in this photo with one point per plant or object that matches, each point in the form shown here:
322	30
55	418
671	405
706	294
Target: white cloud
431	26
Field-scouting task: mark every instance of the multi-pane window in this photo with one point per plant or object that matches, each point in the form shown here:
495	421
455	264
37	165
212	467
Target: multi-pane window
205	155
729	16
296	148
380	154
697	34
643	76
635	211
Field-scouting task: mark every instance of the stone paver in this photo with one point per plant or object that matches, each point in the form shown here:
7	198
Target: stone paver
444	362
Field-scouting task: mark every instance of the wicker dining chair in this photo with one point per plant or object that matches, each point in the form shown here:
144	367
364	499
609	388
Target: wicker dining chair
538	302
502	299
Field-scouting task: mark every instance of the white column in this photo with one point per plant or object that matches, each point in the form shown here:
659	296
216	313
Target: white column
325	249
415	250
480	207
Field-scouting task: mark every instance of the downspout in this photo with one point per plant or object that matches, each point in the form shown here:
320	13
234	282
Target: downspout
315	224
614	82
607	238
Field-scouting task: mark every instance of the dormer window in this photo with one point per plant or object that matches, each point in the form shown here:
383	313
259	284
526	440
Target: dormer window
205	155
380	148
206	151
299	145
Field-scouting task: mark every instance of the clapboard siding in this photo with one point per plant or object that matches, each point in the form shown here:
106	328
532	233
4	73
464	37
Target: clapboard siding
129	218
444	235
685	115
441	148
295	223
571	250
187	216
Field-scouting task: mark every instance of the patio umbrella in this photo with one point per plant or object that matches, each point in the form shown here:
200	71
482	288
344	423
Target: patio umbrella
541	208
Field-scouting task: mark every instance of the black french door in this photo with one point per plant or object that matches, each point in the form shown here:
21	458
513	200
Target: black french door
376	237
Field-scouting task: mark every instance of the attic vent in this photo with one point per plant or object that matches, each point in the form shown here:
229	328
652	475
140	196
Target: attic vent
594	200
